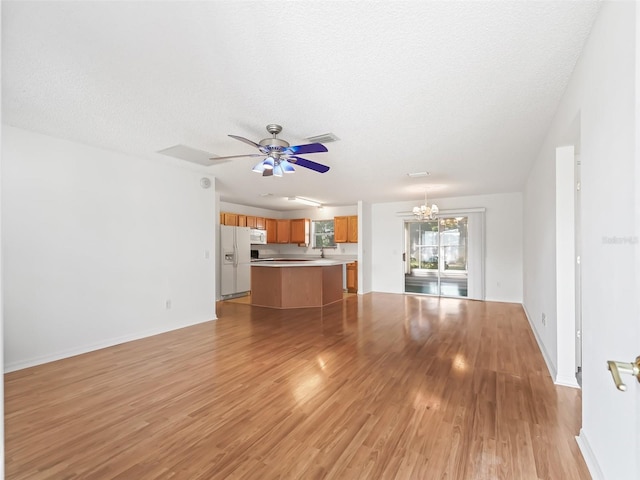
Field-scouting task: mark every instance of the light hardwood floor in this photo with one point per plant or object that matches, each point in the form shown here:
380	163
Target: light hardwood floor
374	387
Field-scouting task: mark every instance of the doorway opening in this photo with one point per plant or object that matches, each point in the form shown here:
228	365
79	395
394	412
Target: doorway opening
436	259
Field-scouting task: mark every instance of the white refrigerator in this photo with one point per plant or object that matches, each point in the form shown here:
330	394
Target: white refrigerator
235	276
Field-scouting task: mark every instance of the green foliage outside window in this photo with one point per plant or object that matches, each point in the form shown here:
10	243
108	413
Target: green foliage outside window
323	234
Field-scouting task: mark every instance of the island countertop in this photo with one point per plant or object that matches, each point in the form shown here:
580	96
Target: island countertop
313	283
298	262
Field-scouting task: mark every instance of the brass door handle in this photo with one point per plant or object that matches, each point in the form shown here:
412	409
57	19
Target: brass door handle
621	367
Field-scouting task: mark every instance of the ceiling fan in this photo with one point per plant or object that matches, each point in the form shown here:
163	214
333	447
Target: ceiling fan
280	156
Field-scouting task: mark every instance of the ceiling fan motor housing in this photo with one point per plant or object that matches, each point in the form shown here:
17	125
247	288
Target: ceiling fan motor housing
274	144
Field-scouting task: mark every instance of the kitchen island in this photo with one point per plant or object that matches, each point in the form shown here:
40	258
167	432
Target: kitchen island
296	283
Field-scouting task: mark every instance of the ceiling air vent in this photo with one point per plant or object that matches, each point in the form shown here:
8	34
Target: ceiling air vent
324	138
189	154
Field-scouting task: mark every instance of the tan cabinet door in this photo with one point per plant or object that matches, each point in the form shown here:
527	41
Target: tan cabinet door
284	230
341	229
352	277
352	229
300	231
272	230
231	219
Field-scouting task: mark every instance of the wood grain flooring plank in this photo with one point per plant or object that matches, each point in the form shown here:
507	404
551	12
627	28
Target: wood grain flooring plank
377	386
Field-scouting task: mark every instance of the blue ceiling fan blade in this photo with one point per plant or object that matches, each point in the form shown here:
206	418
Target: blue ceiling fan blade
308	148
303	162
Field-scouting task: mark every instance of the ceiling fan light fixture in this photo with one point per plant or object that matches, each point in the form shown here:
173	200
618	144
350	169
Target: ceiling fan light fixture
258	168
279	152
287	167
277	170
268	163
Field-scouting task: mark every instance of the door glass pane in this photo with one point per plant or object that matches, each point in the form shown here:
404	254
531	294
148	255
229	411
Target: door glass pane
422	274
437	257
453	251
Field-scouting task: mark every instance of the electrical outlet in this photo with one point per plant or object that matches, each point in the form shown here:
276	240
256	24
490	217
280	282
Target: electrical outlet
544	319
167	304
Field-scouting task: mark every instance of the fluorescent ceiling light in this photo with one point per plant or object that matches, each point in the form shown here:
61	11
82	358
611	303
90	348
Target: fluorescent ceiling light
418	174
305	201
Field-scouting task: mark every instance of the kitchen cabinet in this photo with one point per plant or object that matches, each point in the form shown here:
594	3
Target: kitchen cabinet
300	229
272	230
230	219
340	227
352	229
240	220
352	277
345	229
283	229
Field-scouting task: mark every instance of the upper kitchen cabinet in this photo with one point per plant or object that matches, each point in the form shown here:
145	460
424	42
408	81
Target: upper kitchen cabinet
352	229
345	229
283	229
272	230
300	230
251	221
242	220
261	223
230	219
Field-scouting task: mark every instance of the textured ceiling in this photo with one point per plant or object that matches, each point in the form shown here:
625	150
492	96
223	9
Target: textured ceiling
464	90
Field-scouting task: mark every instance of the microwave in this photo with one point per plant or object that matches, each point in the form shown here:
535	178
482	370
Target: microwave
258	237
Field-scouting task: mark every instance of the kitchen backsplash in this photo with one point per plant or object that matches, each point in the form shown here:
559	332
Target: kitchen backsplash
349	250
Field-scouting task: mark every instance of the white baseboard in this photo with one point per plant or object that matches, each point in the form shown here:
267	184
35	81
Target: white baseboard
32	362
589	457
550	366
567	381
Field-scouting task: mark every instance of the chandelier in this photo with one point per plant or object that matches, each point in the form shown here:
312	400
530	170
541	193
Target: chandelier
426	212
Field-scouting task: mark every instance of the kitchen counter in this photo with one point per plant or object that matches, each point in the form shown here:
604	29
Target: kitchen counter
296	262
312	283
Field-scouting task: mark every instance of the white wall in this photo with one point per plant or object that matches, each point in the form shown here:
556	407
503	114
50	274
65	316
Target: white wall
597	116
365	248
503	243
1	337
94	244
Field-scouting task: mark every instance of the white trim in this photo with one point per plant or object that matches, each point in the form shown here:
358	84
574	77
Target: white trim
567	381
565	264
557	379
446	213
545	354
12	367
589	457
456	211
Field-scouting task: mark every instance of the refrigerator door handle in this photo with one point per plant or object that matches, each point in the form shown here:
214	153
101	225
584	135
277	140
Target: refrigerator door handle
235	249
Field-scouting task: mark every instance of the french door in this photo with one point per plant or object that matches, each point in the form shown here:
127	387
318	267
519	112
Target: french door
436	257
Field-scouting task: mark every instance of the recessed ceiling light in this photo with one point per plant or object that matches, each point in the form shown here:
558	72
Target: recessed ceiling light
418	174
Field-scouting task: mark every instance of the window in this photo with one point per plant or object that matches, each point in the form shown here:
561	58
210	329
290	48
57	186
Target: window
322	231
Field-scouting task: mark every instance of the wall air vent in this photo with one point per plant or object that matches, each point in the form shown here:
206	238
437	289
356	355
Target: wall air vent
324	138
